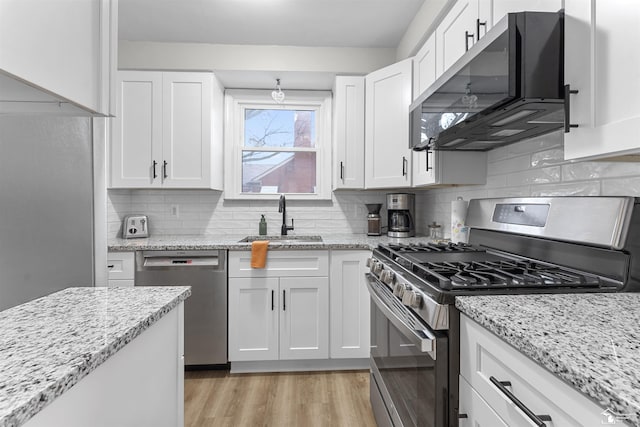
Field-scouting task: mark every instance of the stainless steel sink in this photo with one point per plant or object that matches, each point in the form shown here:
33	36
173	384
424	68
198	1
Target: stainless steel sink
284	239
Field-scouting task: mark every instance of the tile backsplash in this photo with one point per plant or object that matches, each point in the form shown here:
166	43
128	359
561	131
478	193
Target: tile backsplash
205	212
534	167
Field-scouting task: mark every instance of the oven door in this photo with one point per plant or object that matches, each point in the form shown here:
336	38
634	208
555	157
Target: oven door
409	364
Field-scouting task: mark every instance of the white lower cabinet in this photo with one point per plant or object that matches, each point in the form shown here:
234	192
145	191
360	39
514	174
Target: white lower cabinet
476	411
276	313
121	269
484	356
349	304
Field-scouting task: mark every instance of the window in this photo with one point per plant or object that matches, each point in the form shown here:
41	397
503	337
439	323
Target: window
277	148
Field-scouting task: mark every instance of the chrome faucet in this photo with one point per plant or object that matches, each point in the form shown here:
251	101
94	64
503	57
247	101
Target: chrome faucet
282	207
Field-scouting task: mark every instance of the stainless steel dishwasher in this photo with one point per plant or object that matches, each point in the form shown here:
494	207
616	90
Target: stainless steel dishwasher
205	312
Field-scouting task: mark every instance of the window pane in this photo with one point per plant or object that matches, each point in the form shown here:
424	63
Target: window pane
278	172
279	128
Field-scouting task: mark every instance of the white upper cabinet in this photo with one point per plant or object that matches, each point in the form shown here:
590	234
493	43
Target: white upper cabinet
167	132
604	67
57	56
387	100
441	167
469	20
456	33
348	132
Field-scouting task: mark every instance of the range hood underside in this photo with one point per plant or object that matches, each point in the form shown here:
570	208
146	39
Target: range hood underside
513	122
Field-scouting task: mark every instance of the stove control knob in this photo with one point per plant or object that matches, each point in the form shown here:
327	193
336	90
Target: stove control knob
376	268
398	290
370	262
411	299
387	277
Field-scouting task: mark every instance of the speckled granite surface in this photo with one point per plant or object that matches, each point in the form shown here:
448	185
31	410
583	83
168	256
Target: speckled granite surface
592	341
331	241
49	344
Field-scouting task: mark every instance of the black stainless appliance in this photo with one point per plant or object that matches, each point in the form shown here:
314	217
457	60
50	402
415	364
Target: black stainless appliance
205	312
374	227
507	87
401	211
516	246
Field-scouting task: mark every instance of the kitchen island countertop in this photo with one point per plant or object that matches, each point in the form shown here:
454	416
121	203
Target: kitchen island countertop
178	243
51	343
591	341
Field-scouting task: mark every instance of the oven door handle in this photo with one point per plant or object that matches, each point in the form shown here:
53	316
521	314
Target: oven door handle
423	339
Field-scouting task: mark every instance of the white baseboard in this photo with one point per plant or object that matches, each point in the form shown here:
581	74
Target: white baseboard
299	365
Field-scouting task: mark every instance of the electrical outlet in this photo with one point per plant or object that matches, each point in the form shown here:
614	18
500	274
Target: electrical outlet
175	211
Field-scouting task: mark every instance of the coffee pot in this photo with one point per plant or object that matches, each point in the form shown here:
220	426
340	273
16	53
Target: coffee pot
400	210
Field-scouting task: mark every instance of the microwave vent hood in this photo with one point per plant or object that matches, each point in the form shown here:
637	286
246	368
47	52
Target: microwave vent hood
507	87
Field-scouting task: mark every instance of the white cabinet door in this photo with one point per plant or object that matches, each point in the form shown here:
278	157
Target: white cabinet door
492	11
387	100
186	143
424	67
163	133
606	72
59	47
478	413
456	33
253	319
304	318
349	305
348	138
424	74
136	141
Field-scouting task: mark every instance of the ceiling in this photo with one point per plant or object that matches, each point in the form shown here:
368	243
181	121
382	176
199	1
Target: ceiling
327	23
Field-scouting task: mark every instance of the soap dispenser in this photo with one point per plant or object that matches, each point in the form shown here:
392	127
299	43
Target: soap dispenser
262	229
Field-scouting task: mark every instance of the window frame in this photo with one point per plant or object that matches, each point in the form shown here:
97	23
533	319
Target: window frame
236	101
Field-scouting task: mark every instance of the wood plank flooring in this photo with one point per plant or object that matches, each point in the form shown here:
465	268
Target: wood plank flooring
218	398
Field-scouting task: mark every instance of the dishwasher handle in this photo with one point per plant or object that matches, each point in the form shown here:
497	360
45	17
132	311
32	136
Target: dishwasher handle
148	260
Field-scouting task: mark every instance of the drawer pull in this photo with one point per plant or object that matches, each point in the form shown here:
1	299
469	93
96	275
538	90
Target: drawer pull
110	266
537	419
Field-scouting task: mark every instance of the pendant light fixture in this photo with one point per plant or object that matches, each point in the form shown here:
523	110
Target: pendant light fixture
278	94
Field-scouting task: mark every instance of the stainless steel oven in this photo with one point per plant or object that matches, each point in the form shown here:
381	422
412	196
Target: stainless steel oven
516	245
409	364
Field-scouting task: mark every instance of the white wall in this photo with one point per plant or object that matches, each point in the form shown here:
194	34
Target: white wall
532	168
421	27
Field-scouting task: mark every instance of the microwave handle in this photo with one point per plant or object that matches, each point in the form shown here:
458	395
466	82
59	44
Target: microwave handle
422	338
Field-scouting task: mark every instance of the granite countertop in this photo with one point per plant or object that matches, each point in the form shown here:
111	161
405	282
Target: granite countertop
49	344
329	241
592	341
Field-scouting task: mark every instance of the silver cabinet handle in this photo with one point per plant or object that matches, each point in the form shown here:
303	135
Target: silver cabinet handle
155	175
502	386
284	300
164	170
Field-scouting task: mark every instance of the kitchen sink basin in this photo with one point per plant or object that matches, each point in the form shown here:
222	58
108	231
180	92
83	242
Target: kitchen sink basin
284	239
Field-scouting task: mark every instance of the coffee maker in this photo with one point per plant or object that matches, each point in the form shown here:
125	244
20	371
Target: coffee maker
401	209
374	227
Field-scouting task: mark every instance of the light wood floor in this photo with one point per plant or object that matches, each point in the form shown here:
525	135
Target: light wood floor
218	398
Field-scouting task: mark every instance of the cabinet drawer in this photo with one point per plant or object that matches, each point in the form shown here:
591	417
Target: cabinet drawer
483	356
281	264
121	265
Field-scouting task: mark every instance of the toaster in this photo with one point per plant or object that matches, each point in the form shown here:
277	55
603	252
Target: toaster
135	226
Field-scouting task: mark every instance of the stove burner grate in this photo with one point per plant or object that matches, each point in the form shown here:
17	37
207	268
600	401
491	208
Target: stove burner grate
437	247
504	274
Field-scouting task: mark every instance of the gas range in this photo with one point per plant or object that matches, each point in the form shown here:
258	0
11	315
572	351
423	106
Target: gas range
516	246
511	252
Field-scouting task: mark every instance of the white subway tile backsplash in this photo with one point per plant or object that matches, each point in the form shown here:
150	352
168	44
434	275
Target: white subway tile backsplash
547	158
584	188
510	165
534	176
621	187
